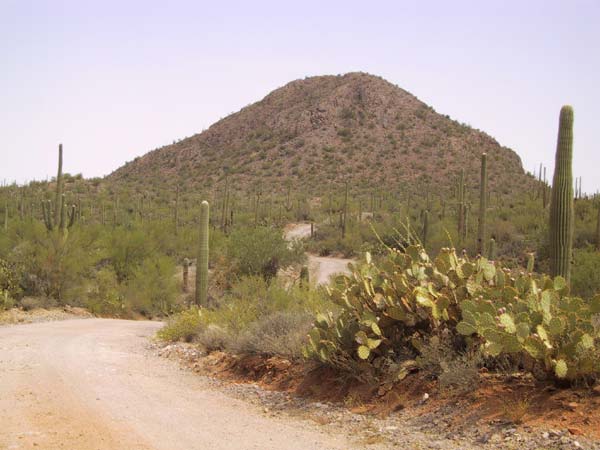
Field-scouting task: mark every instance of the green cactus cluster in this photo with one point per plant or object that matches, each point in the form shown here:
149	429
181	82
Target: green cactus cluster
537	318
392	306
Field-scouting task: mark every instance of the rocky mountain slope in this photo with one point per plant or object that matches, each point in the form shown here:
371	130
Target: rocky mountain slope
321	130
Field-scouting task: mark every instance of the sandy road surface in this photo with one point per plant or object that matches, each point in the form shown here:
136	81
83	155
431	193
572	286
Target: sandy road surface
321	267
92	384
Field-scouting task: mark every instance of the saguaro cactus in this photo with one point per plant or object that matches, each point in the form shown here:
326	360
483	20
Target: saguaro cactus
176	213
492	249
202	263
186	267
425	229
59	186
344	212
561	206
58	217
482	205
460	193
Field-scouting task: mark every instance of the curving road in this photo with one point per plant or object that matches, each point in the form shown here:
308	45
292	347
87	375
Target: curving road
92	384
321	268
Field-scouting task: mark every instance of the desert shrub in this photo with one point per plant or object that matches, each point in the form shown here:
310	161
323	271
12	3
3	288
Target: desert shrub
454	369
9	285
214	337
54	265
261	251
105	296
152	288
181	327
256	317
126	250
31	303
280	333
585	276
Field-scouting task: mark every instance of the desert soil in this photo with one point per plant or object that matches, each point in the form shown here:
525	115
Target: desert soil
95	384
321	268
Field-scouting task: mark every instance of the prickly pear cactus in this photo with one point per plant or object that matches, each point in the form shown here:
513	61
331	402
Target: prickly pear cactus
389	307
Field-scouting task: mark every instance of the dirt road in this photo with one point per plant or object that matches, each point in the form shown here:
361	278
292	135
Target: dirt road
321	268
92	384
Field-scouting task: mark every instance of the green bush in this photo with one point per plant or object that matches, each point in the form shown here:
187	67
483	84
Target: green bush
152	288
126	250
105	296
261	251
585	276
181	327
254	317
53	265
9	286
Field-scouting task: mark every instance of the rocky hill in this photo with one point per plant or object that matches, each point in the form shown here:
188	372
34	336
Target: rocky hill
321	130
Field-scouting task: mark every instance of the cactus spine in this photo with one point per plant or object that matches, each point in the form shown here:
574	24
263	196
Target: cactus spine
482	205
202	264
561	205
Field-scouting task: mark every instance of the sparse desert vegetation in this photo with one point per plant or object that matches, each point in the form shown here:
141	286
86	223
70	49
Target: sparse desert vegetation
460	281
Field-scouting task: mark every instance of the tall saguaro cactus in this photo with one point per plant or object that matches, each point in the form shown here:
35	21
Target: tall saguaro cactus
59	186
58	217
344	211
482	205
425	228
202	263
460	193
561	206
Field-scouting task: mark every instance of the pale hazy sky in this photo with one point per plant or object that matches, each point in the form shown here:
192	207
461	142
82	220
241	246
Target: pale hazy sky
115	79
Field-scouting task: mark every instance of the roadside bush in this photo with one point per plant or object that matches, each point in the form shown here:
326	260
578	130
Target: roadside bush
181	327
105	296
126	250
254	317
53	265
261	251
585	276
9	286
454	369
280	333
152	288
